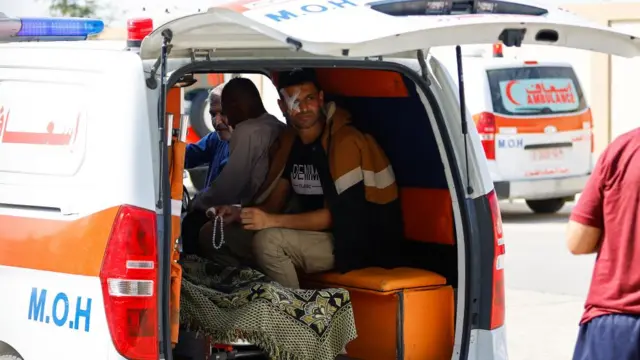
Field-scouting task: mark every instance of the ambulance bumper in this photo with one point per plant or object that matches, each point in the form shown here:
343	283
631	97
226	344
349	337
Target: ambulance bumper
541	189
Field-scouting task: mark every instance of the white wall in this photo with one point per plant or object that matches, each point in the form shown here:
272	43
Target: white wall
625	77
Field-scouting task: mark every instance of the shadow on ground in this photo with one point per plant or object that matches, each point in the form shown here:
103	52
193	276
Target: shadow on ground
519	213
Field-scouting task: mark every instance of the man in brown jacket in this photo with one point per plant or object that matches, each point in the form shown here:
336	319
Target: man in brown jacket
342	185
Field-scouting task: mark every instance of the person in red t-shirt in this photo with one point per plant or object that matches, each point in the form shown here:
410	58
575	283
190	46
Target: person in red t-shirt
605	221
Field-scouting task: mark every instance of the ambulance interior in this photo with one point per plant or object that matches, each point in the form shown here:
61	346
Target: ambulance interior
406	312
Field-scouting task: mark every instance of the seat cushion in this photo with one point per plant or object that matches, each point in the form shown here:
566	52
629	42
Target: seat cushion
379	279
401	313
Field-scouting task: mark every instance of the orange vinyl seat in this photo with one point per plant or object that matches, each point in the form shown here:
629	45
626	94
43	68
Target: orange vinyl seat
400	313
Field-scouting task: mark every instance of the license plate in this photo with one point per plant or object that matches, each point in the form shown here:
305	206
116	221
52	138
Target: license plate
547	154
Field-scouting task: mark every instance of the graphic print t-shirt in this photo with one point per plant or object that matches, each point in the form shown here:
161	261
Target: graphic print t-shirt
303	176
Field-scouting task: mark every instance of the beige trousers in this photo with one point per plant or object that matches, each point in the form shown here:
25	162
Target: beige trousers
279	252
276	252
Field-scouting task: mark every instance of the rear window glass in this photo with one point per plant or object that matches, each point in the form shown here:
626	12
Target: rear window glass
535	90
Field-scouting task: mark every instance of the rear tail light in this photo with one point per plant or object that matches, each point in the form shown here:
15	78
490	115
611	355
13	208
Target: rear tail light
497	293
486	126
129	278
497	50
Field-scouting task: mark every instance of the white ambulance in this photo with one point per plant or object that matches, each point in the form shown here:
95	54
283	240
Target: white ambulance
91	170
535	125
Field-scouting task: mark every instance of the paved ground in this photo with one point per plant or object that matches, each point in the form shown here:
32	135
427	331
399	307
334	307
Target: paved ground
546	285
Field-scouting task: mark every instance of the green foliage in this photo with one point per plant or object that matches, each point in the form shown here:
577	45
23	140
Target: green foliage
73	8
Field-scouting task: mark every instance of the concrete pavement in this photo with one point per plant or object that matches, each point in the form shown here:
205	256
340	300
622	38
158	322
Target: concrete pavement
541	326
546	285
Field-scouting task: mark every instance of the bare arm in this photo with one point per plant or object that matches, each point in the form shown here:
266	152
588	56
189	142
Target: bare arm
272	207
582	239
586	224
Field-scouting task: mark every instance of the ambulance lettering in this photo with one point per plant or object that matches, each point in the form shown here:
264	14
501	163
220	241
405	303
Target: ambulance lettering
526	95
556	171
320	7
60	311
539	94
55	132
510	143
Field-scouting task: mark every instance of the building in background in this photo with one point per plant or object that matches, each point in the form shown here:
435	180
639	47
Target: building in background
611	82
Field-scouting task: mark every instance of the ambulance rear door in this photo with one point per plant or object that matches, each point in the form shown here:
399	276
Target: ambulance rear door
542	121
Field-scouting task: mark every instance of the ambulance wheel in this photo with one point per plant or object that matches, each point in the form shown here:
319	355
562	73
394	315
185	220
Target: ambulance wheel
10	357
546	206
199	114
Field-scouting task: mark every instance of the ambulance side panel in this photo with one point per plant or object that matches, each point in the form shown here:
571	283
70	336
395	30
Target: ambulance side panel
75	144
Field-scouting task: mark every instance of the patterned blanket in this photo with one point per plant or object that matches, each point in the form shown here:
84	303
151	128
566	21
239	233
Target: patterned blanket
241	303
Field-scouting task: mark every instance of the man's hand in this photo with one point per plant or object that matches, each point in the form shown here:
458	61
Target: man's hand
228	213
256	219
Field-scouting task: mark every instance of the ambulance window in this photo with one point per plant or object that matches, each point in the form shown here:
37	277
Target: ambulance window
44	135
532	90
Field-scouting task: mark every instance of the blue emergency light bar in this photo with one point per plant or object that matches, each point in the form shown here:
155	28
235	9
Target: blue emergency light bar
48	29
455	7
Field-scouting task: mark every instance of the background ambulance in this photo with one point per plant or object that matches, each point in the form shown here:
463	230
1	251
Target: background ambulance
535	125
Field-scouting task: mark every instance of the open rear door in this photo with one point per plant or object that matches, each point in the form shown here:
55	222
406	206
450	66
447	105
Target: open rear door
351	28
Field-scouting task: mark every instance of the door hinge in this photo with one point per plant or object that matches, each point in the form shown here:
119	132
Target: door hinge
201	54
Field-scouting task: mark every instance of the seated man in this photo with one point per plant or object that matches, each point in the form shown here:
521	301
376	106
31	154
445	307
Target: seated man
252	132
347	214
213	148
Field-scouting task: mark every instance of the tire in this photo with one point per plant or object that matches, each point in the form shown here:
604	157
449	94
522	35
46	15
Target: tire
199	114
546	206
10	357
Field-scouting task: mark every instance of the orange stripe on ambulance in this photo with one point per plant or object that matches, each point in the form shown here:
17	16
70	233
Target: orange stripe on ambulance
58	311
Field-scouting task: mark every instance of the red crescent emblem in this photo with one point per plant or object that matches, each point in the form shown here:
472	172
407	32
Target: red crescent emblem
507	91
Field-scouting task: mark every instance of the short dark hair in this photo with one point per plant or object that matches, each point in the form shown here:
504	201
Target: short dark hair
241	89
297	76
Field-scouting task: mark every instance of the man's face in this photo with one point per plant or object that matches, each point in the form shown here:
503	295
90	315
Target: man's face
219	120
302	104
